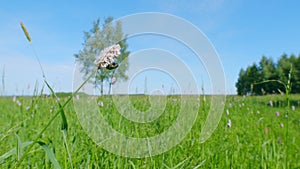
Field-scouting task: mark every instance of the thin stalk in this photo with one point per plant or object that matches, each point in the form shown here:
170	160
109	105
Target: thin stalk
50	122
288	89
3	81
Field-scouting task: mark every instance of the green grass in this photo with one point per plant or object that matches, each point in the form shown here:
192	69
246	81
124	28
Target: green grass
256	138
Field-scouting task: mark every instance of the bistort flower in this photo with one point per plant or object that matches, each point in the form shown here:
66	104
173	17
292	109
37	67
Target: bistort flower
107	56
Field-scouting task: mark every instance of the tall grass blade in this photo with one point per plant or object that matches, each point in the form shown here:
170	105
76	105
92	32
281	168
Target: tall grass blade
64	125
17	165
181	163
3	81
35	53
50	154
132	164
199	165
19	147
13	151
67	147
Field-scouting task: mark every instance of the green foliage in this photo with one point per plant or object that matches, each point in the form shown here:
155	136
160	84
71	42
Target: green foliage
267	70
256	138
95	40
50	154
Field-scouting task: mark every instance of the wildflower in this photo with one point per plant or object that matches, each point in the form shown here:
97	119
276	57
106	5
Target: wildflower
19	103
77	97
107	56
113	80
27	107
100	103
277	114
293	108
14	99
227	112
281	125
258	112
271	103
229	123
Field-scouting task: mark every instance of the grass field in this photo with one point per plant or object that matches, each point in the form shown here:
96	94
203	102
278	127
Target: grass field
257	137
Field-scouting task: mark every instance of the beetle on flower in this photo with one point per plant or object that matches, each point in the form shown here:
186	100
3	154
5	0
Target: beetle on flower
107	56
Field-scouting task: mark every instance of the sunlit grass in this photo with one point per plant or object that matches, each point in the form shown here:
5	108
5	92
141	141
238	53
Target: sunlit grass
255	139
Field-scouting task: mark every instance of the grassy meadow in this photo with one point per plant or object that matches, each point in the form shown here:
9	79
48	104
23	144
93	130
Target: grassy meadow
260	135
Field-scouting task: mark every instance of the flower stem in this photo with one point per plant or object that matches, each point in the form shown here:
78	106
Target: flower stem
50	122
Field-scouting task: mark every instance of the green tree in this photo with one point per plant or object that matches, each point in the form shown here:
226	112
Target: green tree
240	84
283	69
95	40
296	68
247	79
268	72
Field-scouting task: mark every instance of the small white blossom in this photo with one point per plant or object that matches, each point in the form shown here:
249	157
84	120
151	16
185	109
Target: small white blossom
100	103
19	103
14	99
293	108
113	80
27	107
107	56
227	112
229	123
271	103
281	125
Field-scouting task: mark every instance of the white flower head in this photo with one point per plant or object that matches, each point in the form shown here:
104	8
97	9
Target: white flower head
229	123
14	99
19	103
281	125
100	103
227	112
293	108
107	56
113	80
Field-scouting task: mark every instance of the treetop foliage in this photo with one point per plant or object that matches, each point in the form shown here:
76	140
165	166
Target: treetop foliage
267	69
95	40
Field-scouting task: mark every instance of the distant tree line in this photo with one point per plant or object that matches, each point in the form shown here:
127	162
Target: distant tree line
265	70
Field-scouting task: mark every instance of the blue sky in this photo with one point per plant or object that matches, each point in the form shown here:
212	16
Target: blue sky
241	32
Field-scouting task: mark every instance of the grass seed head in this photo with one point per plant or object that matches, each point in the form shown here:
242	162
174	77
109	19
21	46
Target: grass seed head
25	32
